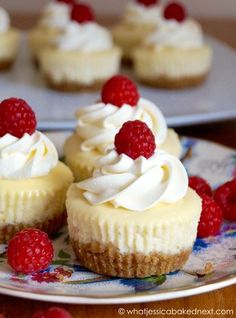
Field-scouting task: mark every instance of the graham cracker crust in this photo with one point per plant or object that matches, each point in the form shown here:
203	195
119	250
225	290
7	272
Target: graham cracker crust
49	226
6	65
174	83
74	87
107	260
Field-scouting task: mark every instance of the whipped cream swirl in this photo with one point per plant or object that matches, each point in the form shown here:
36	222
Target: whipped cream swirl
98	124
26	157
138	184
55	15
86	37
137	13
4	20
171	33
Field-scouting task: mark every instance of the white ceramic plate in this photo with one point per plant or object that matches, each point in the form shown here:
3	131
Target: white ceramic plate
67	282
55	110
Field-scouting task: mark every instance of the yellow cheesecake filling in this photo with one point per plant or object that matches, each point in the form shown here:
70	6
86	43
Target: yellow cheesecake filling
79	67
41	38
9	42
35	199
172	62
128	37
164	228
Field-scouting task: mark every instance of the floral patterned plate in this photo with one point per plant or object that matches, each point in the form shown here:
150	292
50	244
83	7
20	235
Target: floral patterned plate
211	265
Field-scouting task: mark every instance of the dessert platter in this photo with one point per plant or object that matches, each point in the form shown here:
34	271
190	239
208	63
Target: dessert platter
133	213
115	210
66	281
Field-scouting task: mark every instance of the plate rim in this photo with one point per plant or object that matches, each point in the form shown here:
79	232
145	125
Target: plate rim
89	300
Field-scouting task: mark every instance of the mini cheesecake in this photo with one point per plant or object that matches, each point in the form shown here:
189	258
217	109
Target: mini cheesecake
136	216
174	55
33	183
98	124
82	57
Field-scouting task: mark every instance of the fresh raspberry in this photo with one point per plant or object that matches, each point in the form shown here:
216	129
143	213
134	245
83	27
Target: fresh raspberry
69	2
135	139
30	251
53	312
200	185
16	118
176	11
148	3
82	13
225	196
211	217
120	90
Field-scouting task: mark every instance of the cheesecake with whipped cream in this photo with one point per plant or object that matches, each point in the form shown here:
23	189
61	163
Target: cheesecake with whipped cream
82	57
98	124
33	182
9	41
175	54
134	217
139	20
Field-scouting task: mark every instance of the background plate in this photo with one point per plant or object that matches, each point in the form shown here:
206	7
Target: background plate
215	100
65	281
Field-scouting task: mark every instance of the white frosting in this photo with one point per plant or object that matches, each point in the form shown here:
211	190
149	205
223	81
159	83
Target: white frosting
171	33
137	13
98	124
55	15
4	20
27	157
138	184
86	37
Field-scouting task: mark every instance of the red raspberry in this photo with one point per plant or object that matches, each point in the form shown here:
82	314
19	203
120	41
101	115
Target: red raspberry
30	251
200	185
225	196
211	217
176	11
82	13
69	2
16	118
120	90
148	3
135	139
53	312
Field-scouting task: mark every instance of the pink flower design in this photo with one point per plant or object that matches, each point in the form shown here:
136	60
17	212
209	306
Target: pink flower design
57	275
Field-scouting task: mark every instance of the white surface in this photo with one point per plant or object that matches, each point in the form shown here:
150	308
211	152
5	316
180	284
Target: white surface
157	296
215	100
